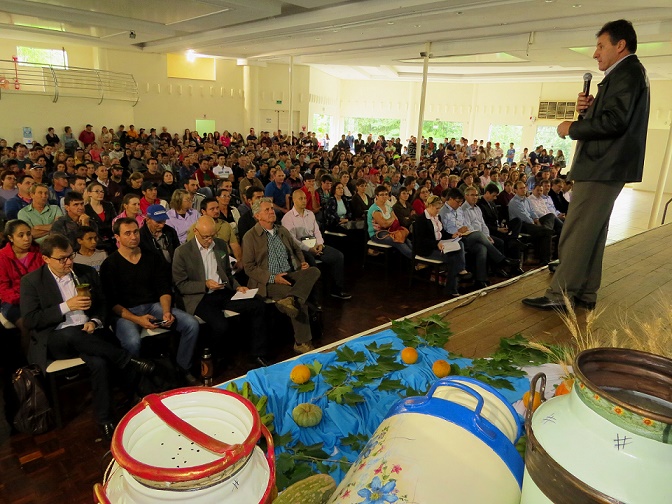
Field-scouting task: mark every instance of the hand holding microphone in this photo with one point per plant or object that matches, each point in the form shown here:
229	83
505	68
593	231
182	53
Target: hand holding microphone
585	100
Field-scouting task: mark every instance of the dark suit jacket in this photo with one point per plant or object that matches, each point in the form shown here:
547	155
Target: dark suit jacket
612	136
189	272
255	255
40	300
490	216
424	240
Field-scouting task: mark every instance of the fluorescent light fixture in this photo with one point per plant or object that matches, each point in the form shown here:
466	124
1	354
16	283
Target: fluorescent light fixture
191	55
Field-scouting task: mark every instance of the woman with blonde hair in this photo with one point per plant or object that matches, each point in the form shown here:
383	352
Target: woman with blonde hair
181	216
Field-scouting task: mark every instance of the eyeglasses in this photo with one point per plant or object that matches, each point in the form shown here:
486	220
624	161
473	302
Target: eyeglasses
205	237
63	260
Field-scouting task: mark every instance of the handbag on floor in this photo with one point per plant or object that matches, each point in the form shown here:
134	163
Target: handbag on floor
34	415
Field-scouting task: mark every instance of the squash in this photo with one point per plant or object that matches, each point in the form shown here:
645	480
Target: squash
316	489
307	415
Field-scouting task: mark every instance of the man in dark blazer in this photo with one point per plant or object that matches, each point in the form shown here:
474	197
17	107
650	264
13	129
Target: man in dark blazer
275	265
66	323
203	278
610	152
508	234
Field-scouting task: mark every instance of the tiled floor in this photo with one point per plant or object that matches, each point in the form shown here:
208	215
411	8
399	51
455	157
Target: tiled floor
631	214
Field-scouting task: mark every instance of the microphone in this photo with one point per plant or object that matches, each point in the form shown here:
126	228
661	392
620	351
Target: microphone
587	77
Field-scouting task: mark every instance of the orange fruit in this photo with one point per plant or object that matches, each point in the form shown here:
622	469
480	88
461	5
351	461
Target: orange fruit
441	368
300	374
409	355
535	403
565	387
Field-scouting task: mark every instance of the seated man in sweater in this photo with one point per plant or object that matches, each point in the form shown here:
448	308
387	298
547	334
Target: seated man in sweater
139	293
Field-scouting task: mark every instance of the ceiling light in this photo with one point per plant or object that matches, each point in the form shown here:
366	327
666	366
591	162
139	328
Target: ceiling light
459	13
417	25
191	55
577	5
390	22
318	38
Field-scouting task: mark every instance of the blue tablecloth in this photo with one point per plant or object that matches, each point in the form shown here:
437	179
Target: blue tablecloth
338	421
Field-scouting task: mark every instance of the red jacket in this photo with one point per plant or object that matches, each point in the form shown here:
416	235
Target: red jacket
11	271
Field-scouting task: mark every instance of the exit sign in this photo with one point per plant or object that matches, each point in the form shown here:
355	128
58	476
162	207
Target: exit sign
278	102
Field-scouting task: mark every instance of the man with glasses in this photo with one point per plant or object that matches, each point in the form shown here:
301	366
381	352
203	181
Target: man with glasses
223	230
203	278
67	323
139	294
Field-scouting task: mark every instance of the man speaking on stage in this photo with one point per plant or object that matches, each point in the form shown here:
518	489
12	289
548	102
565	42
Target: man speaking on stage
611	134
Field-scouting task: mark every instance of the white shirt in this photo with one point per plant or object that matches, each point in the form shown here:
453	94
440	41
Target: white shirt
436	223
209	262
222	171
302	226
538	206
66	285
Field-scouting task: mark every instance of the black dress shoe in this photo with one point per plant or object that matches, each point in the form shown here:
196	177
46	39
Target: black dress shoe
107	430
341	295
514	263
143	366
464	277
481	285
516	271
500	272
586	305
544	303
553	265
190	379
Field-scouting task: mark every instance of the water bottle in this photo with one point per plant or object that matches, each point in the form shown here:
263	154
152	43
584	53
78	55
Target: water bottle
207	368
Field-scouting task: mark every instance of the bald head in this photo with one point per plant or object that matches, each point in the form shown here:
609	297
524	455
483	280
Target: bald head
300	201
205	230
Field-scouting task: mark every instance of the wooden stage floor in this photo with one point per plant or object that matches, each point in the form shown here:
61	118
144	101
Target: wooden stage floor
62	465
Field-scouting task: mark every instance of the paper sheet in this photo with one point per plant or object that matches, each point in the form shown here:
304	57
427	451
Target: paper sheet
245	295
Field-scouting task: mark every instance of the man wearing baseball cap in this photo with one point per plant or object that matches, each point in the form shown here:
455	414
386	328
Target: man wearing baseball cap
156	237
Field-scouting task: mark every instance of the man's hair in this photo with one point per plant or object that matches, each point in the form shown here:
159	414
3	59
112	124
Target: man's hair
22	178
556	181
620	30
224	189
471	189
326	178
34	187
72	196
82	230
249	192
6	174
539	183
360	182
74	179
492	189
256	206
453	193
52	242
518	183
124	220
204	204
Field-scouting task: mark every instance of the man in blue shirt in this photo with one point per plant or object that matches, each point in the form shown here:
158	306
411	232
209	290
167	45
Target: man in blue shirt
280	192
520	208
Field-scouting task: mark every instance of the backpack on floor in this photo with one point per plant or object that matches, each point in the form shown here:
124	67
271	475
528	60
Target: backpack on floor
34	415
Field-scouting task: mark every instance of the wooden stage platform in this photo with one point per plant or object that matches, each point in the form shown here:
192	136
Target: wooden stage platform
637	276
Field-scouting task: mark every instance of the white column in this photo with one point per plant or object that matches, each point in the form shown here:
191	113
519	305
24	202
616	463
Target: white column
291	97
251	97
662	180
423	95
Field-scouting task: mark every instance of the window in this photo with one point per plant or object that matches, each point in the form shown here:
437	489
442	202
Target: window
506	134
53	57
548	137
366	125
442	129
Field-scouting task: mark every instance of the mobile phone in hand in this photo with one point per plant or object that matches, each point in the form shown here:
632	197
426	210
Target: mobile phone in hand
290	280
157	321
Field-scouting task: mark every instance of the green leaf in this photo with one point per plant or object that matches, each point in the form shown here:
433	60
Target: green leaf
352	398
335	375
455	369
347	354
315	450
437	338
411	392
390	385
388	365
355	441
315	368
344	464
282	439
371	372
435	319
309	386
302	471
386	350
336	394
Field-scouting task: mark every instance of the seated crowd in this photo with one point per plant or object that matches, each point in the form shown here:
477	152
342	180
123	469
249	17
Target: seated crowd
107	238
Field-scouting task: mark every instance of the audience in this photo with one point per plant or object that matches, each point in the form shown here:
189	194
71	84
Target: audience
332	190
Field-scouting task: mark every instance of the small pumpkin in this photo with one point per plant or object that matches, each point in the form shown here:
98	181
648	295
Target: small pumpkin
307	415
313	490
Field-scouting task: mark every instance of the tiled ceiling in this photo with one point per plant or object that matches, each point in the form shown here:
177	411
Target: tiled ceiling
471	40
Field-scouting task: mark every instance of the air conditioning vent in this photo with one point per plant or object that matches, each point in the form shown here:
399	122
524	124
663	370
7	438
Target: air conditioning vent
556	110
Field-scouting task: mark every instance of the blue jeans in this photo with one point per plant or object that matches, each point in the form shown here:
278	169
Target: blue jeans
128	332
404	248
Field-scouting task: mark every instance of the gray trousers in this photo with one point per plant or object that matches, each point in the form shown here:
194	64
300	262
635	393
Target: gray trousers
582	241
305	280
